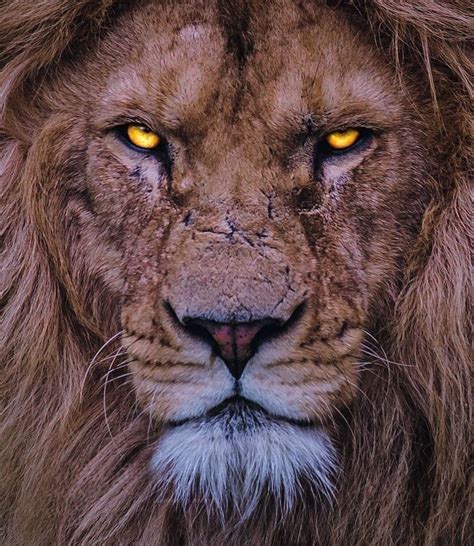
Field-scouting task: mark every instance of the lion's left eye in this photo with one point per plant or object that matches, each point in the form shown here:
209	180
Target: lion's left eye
343	140
142	137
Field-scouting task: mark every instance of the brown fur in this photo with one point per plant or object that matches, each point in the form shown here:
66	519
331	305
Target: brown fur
80	247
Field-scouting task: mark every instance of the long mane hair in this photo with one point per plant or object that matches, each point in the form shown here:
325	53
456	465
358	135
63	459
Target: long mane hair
74	451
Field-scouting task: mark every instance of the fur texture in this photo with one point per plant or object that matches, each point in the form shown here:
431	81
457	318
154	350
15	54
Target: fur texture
104	393
240	455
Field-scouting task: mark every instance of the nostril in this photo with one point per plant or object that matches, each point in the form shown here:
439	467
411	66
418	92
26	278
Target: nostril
236	342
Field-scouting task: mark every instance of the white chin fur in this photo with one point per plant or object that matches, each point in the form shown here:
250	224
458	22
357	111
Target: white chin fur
234	457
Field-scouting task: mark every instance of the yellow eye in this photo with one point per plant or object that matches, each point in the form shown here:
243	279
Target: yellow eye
142	137
340	140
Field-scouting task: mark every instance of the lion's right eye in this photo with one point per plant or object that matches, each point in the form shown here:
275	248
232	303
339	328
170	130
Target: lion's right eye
142	137
343	140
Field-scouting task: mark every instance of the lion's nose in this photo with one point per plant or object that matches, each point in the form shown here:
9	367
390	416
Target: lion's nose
235	342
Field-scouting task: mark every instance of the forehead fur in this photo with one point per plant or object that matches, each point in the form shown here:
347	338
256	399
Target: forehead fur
317	62
172	59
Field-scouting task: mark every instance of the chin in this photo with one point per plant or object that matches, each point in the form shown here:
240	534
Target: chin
237	455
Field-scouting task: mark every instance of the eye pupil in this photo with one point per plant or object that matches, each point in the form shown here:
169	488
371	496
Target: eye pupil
142	137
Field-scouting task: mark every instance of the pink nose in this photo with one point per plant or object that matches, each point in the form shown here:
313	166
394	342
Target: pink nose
235	342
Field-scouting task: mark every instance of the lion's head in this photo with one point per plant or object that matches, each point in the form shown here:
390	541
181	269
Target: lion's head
235	270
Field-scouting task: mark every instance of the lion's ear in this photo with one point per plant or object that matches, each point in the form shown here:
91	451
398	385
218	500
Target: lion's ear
34	35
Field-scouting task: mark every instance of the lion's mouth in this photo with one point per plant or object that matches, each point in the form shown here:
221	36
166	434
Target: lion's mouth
238	413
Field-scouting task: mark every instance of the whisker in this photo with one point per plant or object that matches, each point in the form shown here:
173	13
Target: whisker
357	387
351	430
150	417
104	404
93	361
124	352
372	345
129	374
119	367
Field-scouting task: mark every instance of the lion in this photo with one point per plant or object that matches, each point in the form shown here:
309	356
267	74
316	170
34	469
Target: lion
235	273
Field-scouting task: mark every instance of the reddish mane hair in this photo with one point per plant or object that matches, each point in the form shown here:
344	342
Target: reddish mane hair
406	442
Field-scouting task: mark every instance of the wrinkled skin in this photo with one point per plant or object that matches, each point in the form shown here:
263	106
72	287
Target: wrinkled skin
242	214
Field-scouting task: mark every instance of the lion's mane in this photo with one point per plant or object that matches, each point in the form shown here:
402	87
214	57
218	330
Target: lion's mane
67	475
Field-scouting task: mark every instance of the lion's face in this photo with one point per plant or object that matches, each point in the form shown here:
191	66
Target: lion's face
246	256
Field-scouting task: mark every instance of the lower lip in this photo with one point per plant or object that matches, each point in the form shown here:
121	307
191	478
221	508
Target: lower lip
239	404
